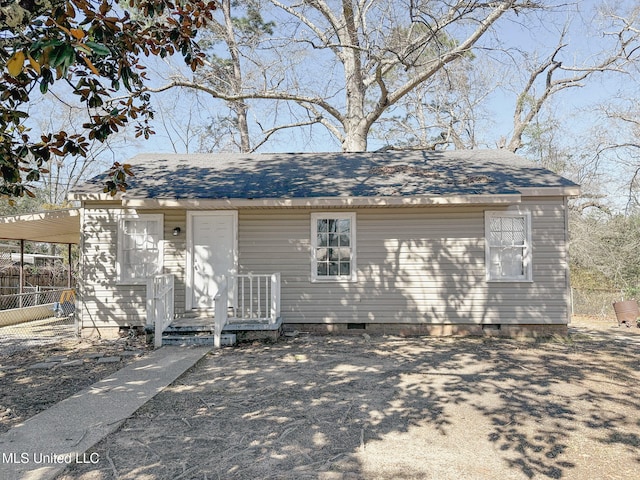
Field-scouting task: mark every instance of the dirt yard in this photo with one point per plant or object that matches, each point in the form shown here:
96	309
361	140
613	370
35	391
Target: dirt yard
392	408
44	373
363	408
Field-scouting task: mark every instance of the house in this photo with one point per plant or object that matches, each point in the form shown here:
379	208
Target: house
398	242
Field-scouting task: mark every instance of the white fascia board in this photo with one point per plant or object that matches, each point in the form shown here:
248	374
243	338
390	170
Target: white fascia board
572	191
324	202
98	196
568	191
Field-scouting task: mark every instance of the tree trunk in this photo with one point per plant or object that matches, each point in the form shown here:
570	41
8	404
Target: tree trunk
239	107
355	137
354	123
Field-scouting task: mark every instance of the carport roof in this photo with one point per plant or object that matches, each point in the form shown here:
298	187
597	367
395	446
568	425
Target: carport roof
53	226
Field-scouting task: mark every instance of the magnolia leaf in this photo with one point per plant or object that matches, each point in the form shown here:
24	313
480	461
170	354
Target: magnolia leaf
15	63
34	64
90	65
64	29
77	33
98	48
82	47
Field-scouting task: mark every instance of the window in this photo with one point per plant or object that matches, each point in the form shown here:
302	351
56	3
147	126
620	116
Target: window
508	246
139	247
333	238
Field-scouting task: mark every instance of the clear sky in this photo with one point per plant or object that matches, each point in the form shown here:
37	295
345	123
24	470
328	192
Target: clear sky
536	36
179	113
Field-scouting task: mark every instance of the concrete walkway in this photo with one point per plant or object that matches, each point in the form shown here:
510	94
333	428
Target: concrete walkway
41	447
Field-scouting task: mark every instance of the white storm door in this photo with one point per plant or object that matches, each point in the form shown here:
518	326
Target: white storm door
211	255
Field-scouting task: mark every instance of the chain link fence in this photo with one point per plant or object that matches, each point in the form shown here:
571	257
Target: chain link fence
594	302
45	315
32	297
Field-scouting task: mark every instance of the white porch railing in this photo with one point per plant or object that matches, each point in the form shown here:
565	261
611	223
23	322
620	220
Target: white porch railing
160	306
221	314
257	302
258	298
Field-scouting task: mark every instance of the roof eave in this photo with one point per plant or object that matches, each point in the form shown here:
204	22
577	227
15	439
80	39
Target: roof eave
560	191
323	202
563	191
74	197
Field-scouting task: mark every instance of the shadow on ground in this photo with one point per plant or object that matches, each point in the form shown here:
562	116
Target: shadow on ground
335	407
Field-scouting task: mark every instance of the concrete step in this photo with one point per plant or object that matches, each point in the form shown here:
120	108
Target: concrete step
183	326
197	332
204	313
226	339
185	329
238	325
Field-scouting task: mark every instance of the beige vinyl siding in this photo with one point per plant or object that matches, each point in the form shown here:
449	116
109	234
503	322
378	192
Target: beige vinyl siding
103	301
414	265
106	302
175	254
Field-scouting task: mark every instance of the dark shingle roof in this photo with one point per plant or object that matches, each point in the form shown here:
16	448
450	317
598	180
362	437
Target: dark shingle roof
308	175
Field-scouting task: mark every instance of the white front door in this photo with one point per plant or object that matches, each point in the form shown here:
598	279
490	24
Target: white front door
211	255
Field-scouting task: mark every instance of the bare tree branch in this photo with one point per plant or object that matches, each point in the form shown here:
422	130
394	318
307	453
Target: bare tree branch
264	95
268	132
440	62
529	104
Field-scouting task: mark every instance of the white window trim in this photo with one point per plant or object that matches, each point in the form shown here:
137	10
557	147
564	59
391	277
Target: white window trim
527	257
120	253
351	216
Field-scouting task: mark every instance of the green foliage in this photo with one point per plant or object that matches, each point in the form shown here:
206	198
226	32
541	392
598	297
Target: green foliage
252	25
541	145
118	178
421	44
589	279
632	292
95	48
604	253
25	204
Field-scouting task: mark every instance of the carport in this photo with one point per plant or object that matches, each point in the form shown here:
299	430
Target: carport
53	226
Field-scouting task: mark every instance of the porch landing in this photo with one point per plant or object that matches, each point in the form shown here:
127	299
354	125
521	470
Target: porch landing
200	331
206	323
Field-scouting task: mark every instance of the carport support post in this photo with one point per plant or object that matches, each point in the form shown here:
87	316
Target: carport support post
21	286
69	276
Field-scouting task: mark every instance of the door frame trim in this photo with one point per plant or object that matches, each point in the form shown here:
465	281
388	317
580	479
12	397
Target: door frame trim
191	215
